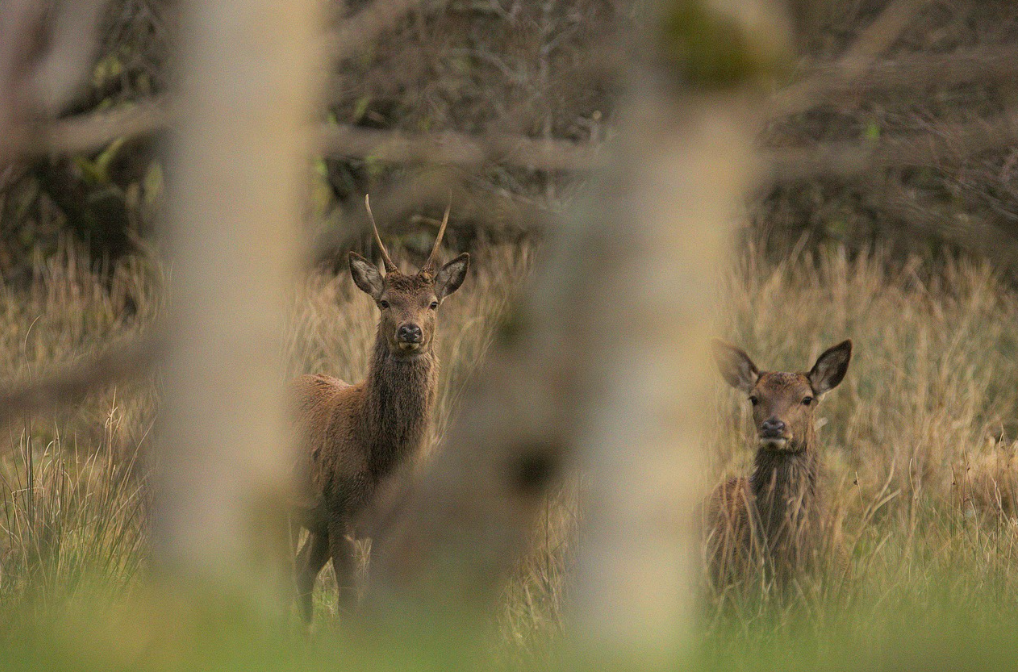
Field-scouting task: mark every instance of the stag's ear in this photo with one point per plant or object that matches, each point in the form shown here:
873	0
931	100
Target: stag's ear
735	366
830	368
366	276
451	276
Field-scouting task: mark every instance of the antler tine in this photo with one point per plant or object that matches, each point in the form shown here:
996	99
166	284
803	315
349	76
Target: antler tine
429	265
390	267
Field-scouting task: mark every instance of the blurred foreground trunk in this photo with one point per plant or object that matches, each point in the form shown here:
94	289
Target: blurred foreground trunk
603	365
238	166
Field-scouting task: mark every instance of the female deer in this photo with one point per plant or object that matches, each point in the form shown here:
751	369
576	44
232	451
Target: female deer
775	516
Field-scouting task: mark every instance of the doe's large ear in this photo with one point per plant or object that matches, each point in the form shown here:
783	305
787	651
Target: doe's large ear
451	276
830	368
366	276
735	366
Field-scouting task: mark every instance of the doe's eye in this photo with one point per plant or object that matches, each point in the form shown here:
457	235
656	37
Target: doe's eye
434	305
754	400
383	304
807	401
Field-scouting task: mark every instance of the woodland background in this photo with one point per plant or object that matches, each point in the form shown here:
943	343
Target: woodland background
932	119
884	209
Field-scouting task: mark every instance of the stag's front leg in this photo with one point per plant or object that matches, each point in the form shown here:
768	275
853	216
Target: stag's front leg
310	560
342	548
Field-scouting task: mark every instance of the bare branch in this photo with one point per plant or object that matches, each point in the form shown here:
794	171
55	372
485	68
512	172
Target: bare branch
42	63
399	205
93	131
20	37
70	384
365	27
908	72
922	216
65	68
878	37
857	59
457	148
946	144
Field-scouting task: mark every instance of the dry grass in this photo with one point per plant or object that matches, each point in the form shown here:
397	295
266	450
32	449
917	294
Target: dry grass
920	441
72	495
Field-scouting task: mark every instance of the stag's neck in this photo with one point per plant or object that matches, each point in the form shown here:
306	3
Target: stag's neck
785	485
399	394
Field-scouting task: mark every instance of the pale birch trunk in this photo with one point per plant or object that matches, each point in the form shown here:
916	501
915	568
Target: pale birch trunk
686	161
245	94
682	170
605	365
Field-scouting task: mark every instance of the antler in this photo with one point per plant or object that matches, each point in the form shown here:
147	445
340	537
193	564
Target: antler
390	267
429	265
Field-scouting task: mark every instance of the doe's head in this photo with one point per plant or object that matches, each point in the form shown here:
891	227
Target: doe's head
784	404
408	302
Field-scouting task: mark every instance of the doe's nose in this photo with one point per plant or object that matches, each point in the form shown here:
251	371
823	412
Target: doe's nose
409	333
773	426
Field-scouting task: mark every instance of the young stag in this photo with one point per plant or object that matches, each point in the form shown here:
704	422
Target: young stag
774	518
353	436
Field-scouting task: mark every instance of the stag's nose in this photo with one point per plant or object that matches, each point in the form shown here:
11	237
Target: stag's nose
772	427
409	333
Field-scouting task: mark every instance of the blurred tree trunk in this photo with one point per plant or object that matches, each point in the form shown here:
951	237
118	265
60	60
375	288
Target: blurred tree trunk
664	217
604	364
245	95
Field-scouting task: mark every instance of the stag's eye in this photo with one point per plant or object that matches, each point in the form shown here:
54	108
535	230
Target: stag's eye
754	400
434	305
383	304
807	401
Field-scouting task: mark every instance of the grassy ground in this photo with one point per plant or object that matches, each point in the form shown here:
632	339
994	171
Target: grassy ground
919	442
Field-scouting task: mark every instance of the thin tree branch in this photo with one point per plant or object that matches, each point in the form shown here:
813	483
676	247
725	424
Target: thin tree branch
871	42
64	69
365	27
941	145
44	59
20	37
884	31
92	131
907	72
71	383
920	217
457	148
